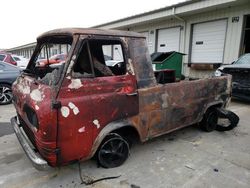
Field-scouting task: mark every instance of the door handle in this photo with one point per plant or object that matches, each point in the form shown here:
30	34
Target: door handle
132	94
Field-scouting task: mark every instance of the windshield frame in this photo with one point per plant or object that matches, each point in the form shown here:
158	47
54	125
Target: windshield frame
30	69
56	39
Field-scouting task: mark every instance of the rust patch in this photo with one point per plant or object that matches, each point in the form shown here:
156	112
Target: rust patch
168	107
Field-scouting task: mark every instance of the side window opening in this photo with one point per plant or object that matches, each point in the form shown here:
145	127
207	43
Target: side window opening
114	58
83	68
106	57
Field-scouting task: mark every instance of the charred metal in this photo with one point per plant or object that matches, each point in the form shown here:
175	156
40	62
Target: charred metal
105	93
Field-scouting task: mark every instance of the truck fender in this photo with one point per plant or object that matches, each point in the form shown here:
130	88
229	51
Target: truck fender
209	105
213	104
105	131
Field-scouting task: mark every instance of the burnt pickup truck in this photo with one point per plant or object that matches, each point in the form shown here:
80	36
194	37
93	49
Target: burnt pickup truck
90	106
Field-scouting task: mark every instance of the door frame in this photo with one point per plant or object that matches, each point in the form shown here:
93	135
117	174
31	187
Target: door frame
243	32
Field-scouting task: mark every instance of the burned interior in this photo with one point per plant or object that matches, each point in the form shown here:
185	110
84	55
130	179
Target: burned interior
46	66
98	58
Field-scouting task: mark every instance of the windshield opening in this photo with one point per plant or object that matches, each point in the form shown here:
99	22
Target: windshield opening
48	62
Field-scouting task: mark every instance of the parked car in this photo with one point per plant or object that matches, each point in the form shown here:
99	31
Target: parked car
8	74
52	60
240	71
7	57
22	62
109	61
58	57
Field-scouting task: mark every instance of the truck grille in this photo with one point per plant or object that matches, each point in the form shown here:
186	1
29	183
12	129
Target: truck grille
31	115
239	75
27	130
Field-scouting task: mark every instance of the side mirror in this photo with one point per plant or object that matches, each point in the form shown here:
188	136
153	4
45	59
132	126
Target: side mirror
233	62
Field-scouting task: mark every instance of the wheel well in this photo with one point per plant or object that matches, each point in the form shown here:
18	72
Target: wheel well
219	105
129	133
210	107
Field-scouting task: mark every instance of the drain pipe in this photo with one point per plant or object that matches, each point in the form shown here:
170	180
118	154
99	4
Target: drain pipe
185	28
176	16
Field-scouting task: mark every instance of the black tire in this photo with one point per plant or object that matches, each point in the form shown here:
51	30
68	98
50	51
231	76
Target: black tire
113	151
209	121
233	121
5	94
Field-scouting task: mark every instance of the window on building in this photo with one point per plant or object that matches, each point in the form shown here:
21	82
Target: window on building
54	51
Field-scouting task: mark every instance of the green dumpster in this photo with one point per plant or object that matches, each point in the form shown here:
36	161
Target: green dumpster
168	60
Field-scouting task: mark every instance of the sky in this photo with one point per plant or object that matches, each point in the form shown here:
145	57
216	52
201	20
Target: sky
23	20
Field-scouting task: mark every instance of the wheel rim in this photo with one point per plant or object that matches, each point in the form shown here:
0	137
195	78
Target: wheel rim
5	94
113	152
224	122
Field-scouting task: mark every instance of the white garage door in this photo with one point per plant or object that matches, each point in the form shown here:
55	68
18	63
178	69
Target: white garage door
208	42
168	40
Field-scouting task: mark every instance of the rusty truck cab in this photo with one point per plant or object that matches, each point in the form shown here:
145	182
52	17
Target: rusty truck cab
61	109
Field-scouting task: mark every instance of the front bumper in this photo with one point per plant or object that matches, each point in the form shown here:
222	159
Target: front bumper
37	161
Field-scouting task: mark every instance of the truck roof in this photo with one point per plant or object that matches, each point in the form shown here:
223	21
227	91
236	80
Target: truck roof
90	31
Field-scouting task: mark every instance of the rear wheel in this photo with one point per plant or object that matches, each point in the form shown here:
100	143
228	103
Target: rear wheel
113	151
5	94
209	121
228	120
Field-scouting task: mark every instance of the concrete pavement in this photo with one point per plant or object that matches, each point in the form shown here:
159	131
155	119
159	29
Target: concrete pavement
185	158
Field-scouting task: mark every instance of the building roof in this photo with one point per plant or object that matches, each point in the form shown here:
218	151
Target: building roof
188	7
147	13
33	44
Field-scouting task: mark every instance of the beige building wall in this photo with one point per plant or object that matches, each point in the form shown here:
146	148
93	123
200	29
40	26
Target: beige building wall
185	16
232	40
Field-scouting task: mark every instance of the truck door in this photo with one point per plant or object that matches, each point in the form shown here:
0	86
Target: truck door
96	91
113	89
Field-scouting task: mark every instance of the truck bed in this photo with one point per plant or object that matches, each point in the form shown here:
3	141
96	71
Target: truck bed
167	107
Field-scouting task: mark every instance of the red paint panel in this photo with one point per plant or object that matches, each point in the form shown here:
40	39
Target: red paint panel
37	97
111	99
99	102
74	128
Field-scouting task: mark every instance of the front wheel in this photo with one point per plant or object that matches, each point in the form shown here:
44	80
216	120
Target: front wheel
113	151
5	94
